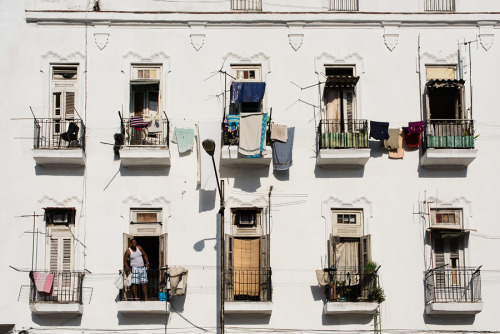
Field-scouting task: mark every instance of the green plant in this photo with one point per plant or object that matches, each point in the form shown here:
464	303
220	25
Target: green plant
370	267
342	289
376	294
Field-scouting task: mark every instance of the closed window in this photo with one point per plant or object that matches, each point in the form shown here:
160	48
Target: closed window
446	218
63	96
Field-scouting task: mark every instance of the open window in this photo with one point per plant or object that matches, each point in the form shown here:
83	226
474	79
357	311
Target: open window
247	90
445	93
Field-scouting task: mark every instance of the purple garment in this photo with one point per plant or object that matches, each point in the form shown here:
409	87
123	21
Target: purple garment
247	91
415	127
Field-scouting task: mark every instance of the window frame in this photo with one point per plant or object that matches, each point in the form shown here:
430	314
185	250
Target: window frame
142	85
63	87
135	211
459	95
345	122
458	216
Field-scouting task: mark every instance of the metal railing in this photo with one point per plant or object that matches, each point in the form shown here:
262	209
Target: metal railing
337	134
248	285
66	288
449	133
231	135
439	5
350	286
453	285
53	133
246	5
156	134
344	5
156	286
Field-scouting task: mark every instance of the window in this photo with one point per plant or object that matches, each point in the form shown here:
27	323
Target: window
59	239
347	223
445	93
246	5
245	74
246	217
344	5
446	218
63	96
340	98
57	216
145	216
145	90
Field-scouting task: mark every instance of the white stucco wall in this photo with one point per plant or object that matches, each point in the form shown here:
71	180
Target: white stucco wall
103	192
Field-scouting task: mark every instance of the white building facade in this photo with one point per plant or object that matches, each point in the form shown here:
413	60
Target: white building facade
106	105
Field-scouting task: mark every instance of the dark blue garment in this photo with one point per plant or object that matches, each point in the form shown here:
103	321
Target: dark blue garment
379	130
282	152
247	91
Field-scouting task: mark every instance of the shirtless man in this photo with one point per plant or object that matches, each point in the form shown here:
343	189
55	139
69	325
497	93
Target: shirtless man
137	256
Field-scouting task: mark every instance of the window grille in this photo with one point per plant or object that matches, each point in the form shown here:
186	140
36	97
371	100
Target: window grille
344	5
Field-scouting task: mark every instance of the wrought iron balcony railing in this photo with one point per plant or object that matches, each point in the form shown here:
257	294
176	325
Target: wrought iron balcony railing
54	133
156	134
344	5
66	287
246	5
453	285
248	285
439	5
156	286
351	286
449	133
337	134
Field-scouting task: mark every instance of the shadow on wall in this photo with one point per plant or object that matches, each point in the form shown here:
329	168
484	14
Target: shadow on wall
448	320
141	319
59	171
346	319
318	292
70	320
124	171
245	178
246	319
200	245
346	172
441	173
207	200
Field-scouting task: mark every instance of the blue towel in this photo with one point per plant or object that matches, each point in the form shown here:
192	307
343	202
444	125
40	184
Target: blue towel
262	137
184	139
282	152
379	130
233	121
247	91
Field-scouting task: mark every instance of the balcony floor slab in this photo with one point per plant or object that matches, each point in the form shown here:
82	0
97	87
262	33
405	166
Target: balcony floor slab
143	307
59	157
357	157
145	157
333	308
453	308
231	157
447	158
248	307
54	308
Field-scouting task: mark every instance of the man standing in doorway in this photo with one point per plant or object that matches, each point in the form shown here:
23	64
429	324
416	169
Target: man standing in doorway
139	263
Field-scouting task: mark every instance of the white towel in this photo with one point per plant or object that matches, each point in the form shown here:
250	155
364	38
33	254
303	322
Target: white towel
279	132
250	133
209	130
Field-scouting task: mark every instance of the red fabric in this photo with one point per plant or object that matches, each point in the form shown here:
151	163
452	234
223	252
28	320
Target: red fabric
411	139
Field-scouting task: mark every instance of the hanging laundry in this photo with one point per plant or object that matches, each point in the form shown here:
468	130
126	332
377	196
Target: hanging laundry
184	138
44	282
282	152
411	139
250	133
206	174
247	91
178	280
379	130
392	142
398	153
416	127
147	118
233	121
137	122
279	132
262	137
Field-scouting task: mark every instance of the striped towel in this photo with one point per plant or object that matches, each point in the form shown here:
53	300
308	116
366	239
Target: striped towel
137	122
44	282
262	137
233	122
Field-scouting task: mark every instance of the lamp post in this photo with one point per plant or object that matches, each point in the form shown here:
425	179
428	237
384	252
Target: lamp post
209	147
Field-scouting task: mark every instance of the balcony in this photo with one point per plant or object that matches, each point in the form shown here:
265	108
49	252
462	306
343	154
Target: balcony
343	143
349	292
344	5
155	302
65	297
59	142
246	5
248	292
448	143
439	5
146	147
453	291
230	155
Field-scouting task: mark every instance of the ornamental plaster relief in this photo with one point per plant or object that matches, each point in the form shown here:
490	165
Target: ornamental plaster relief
197	35
486	33
391	34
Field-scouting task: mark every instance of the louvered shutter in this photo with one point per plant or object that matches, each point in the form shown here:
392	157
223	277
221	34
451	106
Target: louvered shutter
66	254
265	269
54	253
70	105
331	252
439	252
348	101
365	250
228	268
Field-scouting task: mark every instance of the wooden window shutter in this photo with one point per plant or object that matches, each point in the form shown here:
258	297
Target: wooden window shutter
263	289
228	268
365	250
439	252
126	242
66	254
264	252
348	100
163	250
229	252
332	262
54	252
70	105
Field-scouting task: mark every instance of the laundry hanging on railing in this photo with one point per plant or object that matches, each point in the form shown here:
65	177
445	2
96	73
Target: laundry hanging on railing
44	282
250	133
411	139
184	138
399	152
178	281
392	142
282	152
137	122
262	137
279	132
416	127
242	92
379	130
206	174
233	121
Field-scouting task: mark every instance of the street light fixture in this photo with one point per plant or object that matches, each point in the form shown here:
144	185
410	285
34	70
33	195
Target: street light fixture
209	147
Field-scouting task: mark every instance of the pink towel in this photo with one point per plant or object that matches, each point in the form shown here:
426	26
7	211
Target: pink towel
43	282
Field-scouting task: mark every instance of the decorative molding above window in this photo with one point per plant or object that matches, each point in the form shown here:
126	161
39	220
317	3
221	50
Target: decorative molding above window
391	34
256	59
333	205
323	60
